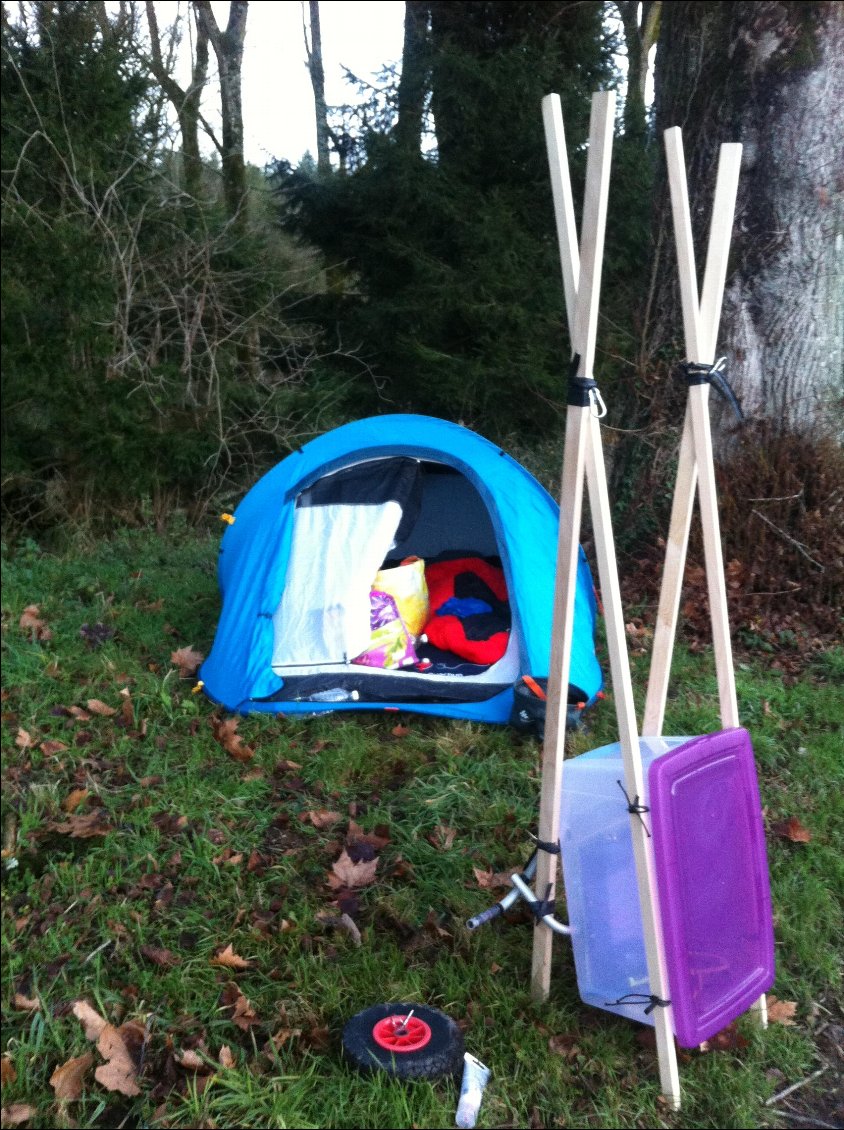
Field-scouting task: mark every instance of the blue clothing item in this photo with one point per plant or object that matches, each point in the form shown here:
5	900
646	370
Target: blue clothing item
255	550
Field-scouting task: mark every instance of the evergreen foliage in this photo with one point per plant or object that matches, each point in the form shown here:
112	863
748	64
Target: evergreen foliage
450	271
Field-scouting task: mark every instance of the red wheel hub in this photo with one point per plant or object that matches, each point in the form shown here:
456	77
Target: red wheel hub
401	1033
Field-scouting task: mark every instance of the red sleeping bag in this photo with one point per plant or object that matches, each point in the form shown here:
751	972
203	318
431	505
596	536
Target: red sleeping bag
469	609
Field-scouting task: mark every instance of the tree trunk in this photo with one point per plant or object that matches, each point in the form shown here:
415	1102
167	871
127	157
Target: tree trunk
767	74
317	73
639	38
228	48
413	85
185	102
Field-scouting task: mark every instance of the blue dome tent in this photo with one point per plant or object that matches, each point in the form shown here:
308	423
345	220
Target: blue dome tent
297	562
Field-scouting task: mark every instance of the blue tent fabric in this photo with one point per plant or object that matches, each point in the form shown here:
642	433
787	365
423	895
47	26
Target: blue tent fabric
255	549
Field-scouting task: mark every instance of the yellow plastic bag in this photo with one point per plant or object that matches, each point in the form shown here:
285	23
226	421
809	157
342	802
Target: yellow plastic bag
405	583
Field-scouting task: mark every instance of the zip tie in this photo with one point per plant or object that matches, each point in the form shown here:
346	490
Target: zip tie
634	808
650	999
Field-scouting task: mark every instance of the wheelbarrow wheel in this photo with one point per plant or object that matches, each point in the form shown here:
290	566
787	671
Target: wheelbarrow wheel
408	1041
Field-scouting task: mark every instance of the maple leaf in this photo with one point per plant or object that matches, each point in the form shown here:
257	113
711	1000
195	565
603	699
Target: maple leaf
232	742
187	660
119	1047
72	801
67	1080
84	826
243	1014
442	837
31	622
101	708
345	873
492	880
228	958
781	1012
17	1113
792	830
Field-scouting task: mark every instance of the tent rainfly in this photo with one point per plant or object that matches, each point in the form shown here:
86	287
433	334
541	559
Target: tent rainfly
298	561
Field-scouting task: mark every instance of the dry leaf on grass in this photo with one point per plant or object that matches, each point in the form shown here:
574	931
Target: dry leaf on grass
492	880
322	817
52	747
17	1113
345	873
119	1047
187	660
228	958
84	826
792	830
67	1080
442	837
73	799
160	956
24	739
101	708
7	1071
225	1057
32	623
25	1004
79	714
225	733
781	1012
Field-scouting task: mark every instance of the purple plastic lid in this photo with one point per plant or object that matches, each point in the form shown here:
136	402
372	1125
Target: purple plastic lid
712	880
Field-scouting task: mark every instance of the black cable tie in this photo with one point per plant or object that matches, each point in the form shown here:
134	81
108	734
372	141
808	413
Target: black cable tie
544	845
635	808
650	999
699	373
543	906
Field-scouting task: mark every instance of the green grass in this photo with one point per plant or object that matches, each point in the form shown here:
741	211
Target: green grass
76	912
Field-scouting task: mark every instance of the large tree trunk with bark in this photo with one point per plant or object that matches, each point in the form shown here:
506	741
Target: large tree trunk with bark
769	75
228	48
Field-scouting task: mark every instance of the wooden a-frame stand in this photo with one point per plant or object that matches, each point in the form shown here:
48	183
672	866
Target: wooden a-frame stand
583	460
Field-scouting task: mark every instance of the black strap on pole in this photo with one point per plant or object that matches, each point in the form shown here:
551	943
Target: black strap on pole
579	388
649	999
698	373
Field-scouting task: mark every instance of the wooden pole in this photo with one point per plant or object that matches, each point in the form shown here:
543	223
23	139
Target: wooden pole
584	274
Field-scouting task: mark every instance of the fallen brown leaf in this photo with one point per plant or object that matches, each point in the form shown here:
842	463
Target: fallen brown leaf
32	623
101	708
52	747
442	837
159	956
729	1039
17	1113
120	1048
377	839
792	830
228	958
492	880
564	1045
7	1070
24	739
322	817
232	742
72	801
79	714
187	660
781	1012
345	873
92	1023
225	1057
84	826
192	1061
67	1080
25	1004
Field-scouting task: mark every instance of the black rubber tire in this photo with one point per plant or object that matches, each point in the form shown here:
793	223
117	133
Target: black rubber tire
442	1055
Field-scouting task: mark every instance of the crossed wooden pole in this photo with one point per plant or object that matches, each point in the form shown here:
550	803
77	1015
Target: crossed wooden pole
583	463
